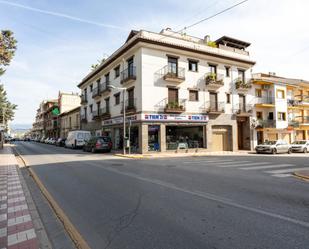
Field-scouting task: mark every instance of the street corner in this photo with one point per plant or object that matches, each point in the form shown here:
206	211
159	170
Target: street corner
303	174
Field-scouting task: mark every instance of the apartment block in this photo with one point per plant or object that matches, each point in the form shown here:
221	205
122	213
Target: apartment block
69	121
281	108
181	93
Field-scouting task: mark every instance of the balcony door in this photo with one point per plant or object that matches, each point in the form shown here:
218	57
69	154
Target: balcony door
172	95
213	97
131	98
242	103
173	66
130	67
107	105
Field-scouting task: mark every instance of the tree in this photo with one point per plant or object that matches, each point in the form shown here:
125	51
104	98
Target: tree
7	48
7	109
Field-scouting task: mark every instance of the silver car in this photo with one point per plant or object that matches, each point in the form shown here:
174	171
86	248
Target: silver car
273	147
300	146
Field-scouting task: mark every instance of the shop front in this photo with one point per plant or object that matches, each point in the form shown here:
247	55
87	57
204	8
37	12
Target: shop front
152	132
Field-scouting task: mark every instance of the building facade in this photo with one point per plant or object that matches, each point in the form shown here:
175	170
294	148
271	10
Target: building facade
69	121
281	108
180	93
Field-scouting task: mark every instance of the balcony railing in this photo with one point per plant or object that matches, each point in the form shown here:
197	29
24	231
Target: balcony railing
242	84
105	112
242	109
214	80
96	92
96	114
293	123
296	100
172	106
301	119
83	99
214	107
269	123
128	75
174	74
265	100
105	87
130	105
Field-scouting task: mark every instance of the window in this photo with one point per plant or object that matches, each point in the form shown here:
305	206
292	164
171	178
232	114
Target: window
193	66
91	108
258	93
213	69
107	104
270	116
107	78
98	82
193	95
130	98
117	98
130	63
281	116
98	105
172	95
91	87
85	111
172	65
259	115
280	94
117	71
228	98
241	75
227	71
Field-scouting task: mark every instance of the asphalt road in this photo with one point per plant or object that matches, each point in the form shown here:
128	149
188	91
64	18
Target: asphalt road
182	203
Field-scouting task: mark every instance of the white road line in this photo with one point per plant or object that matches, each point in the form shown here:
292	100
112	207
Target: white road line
244	164
280	171
207	161
268	166
232	162
281	175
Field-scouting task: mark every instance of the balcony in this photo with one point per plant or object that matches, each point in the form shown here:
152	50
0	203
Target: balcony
96	115
301	120
175	106
298	101
214	107
242	85
268	102
130	106
105	87
83	99
176	75
96	92
83	118
293	123
266	123
214	81
128	75
243	110
105	113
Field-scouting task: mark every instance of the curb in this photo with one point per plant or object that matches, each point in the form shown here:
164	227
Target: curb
76	237
130	156
304	177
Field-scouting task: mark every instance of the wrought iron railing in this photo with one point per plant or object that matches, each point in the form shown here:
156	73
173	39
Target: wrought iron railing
105	87
265	100
268	123
128	74
214	106
242	108
173	72
96	91
214	79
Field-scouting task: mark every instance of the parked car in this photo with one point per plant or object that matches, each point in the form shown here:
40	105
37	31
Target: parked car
42	140
96	144
273	147
300	146
60	142
46	141
76	139
52	141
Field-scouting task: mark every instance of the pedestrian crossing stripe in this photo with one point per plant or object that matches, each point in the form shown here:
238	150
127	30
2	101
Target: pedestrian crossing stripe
268	166
240	164
231	162
284	170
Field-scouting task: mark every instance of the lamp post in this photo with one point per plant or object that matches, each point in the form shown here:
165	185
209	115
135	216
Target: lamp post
124	114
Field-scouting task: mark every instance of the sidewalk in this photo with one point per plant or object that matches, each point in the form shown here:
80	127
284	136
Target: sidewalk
304	174
16	226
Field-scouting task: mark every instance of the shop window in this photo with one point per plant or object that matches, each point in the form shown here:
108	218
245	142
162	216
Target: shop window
153	138
258	93
182	137
193	95
193	66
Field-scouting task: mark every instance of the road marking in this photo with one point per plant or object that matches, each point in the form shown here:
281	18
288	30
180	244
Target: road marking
244	164
207	161
284	170
232	162
282	175
268	166
207	196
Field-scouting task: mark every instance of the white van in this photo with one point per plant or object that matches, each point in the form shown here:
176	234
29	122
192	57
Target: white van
76	139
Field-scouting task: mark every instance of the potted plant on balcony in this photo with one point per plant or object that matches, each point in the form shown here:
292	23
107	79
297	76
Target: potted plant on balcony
211	78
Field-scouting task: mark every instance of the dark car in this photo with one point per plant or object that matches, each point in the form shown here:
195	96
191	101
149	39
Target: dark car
96	144
60	142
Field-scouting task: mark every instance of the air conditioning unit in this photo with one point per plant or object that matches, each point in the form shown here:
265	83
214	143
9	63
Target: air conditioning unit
265	87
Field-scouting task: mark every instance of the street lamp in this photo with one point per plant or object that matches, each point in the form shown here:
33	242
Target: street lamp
124	114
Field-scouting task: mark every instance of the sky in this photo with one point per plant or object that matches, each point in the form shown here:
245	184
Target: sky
58	40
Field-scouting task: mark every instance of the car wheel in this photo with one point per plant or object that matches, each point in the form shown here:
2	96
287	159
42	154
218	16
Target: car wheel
305	150
274	151
289	151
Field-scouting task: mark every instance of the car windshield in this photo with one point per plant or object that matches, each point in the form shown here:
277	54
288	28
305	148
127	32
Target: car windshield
269	142
83	136
299	142
105	139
